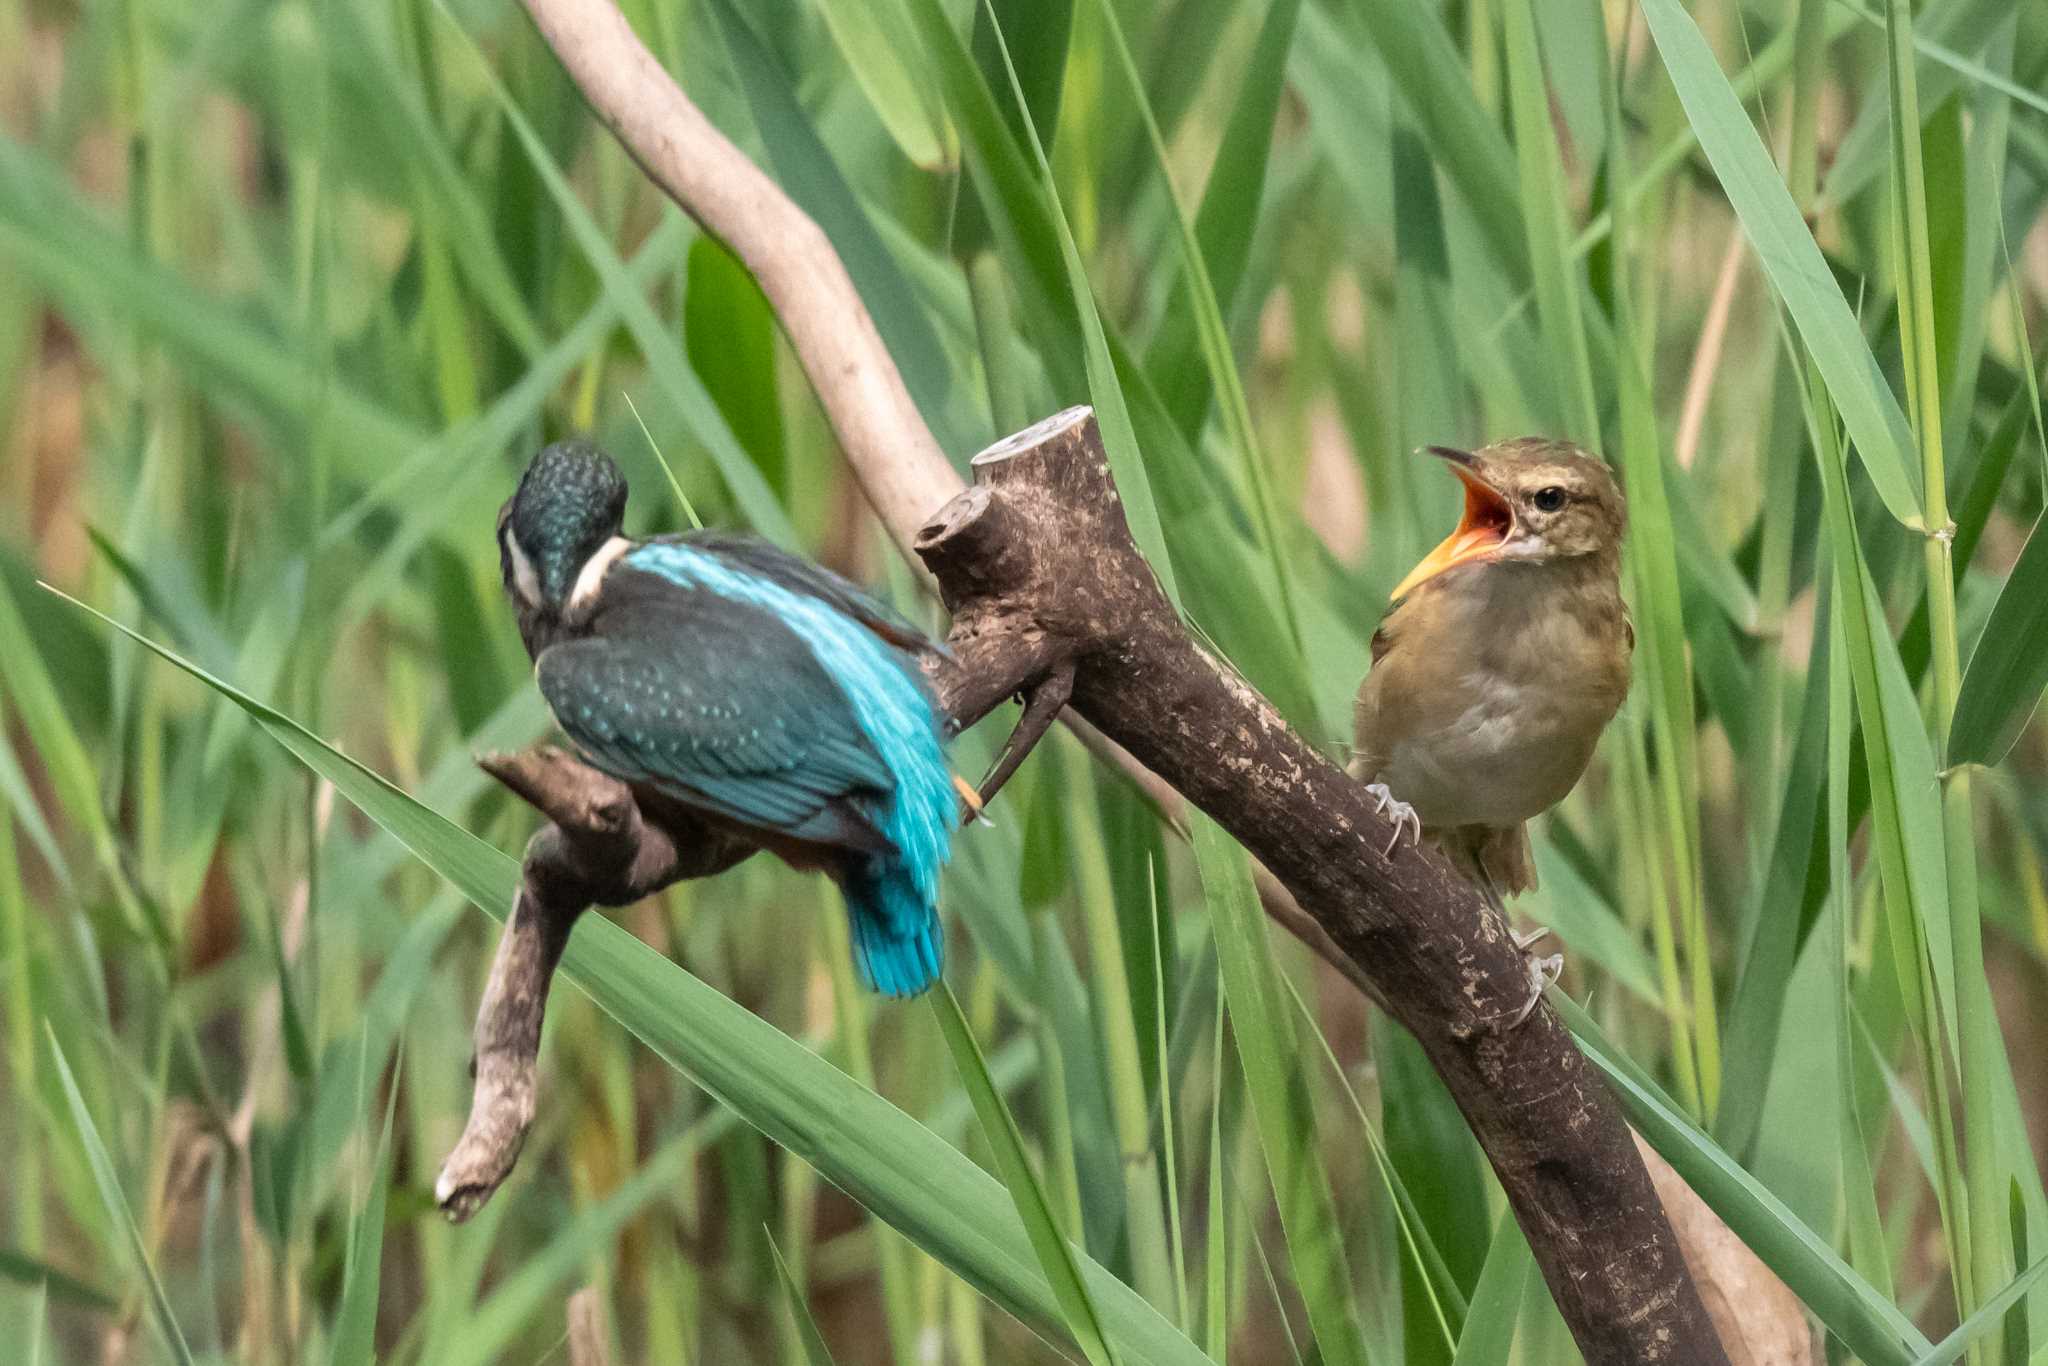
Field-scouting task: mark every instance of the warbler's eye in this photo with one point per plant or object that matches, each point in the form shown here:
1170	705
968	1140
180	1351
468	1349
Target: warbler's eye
1548	500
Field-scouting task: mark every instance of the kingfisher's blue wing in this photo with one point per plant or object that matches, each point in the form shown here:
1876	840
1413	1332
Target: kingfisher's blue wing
765	559
721	707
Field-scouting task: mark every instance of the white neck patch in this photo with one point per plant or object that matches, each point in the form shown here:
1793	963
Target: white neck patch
593	572
523	577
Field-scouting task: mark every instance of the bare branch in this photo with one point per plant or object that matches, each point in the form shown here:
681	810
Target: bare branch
607	844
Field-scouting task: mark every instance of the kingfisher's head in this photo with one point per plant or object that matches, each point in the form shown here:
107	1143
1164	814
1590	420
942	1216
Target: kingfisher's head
569	504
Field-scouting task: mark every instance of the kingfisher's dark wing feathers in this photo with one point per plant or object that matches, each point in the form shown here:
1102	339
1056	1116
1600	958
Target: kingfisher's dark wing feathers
772	562
720	707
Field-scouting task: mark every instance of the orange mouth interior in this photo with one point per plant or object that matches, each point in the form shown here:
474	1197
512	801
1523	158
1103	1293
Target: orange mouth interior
1480	532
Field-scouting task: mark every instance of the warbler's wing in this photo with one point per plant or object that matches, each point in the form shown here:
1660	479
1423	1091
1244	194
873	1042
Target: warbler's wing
767	560
719	705
1368	740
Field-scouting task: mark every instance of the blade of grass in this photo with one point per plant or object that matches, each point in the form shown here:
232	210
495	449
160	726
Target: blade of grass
1269	1050
851	1019
1867	1251
1768	960
418	486
1224	223
1112	414
109	1182
677	381
1424	64
1861	153
1216	1254
1166	1118
1905	810
855	1139
730	336
1429	377
1660	605
56	241
1443	1296
874	36
19	798
23	1269
1182	503
492	1326
1583	917
1116	1017
1791	260
445	192
18	962
1046	265
1497	1299
1987	1256
675	486
1215	340
355	1322
39	1314
816	1353
814	181
2008	670
1042	70
1055	1256
1979	1324
1866	1321
67	763
1542	181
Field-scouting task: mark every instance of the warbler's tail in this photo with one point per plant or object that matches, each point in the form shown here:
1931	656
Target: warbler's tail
898	943
1497	857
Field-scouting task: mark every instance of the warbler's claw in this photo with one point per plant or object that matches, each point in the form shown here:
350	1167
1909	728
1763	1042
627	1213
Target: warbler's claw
1403	816
1542	971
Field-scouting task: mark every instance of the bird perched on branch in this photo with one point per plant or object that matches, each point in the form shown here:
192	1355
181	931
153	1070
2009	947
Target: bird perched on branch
1504	656
766	694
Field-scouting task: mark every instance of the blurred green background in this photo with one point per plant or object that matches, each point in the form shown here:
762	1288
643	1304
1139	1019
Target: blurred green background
290	289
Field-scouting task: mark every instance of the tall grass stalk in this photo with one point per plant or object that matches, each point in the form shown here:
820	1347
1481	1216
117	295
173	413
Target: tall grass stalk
1985	1259
1117	1025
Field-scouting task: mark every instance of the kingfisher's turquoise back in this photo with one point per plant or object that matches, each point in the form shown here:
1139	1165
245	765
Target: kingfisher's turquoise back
892	896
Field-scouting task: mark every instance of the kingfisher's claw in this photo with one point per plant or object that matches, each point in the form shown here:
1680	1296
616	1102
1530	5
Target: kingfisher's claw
1542	971
1403	816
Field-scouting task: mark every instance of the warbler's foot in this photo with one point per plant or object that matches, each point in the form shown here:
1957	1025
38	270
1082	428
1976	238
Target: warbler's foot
1542	971
1399	812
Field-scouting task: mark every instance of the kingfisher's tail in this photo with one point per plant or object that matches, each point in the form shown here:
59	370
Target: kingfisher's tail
898	943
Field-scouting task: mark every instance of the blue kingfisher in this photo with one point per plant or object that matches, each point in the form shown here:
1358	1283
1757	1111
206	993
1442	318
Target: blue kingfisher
768	695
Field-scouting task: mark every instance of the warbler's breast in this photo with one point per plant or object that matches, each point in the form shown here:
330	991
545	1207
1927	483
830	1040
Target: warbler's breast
1489	705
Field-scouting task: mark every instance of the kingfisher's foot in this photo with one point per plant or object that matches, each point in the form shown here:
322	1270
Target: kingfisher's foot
972	807
1399	812
1542	971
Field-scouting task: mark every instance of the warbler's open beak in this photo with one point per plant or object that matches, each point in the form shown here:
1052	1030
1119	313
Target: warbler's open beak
1487	523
